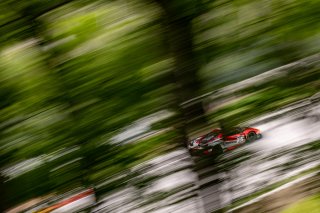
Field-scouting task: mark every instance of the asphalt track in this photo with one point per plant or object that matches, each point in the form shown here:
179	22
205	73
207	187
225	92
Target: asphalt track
278	155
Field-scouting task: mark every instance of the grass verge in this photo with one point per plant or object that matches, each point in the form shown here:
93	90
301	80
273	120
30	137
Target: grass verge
309	204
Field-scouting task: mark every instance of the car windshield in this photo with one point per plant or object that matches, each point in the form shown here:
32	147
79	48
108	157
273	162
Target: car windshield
210	136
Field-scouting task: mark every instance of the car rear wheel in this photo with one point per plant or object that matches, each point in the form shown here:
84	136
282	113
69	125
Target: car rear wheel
252	136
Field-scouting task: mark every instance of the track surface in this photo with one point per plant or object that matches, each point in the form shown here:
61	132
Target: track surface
278	155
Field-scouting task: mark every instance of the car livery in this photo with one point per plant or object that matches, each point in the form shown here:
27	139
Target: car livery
218	141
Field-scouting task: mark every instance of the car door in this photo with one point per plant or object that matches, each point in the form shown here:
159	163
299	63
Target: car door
234	138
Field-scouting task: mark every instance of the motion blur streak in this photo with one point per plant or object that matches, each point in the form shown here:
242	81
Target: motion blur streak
100	100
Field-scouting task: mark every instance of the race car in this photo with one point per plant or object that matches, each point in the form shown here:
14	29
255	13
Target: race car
218	141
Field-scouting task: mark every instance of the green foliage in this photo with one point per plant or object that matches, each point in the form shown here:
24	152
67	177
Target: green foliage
259	102
129	155
73	74
240	39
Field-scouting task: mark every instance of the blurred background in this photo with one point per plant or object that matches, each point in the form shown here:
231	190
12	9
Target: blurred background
99	99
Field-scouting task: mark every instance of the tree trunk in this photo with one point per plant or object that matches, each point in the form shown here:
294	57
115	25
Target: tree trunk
178	35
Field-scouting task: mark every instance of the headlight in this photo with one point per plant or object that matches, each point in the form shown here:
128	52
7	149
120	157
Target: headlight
240	139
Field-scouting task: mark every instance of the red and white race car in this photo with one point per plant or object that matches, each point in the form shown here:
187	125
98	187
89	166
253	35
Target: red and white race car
218	141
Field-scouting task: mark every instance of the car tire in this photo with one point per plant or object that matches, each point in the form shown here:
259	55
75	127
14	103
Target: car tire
252	136
217	150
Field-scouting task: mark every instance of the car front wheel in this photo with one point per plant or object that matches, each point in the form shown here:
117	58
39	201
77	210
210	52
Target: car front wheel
217	149
251	137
